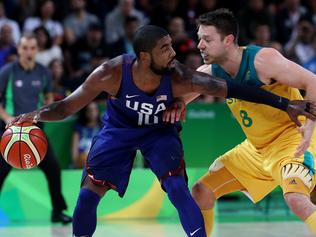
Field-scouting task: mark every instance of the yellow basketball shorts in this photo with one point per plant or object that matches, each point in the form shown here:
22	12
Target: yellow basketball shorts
259	172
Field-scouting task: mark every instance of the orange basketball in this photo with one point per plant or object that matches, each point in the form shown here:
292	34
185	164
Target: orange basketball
23	146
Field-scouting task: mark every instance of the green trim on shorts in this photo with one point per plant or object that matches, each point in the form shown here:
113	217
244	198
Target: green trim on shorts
309	162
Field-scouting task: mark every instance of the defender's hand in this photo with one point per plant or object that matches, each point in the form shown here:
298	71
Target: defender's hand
301	107
174	112
307	131
32	117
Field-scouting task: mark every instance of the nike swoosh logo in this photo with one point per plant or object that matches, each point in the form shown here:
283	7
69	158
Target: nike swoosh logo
192	233
131	96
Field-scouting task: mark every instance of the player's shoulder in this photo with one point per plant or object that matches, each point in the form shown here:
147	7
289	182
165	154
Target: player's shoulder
114	64
107	76
267	57
267	53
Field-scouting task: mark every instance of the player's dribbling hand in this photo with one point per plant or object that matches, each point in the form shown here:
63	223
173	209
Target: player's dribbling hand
32	117
307	131
301	107
174	112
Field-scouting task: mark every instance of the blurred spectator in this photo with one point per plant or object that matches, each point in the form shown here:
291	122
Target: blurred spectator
23	10
69	37
146	6
87	127
16	33
254	14
287	19
189	13
125	43
193	59
8	52
206	6
46	50
311	64
181	42
299	48
79	20
100	8
262	36
88	52
164	11
312	9
114	22
45	17
60	82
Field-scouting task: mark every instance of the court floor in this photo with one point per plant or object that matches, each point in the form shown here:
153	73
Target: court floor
141	228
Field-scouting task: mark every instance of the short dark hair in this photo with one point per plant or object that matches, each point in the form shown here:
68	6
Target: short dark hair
146	38
223	20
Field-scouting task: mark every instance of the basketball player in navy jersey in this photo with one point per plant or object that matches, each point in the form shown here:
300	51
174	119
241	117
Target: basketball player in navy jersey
141	88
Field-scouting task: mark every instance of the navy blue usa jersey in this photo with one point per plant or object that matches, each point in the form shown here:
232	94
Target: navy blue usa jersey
134	108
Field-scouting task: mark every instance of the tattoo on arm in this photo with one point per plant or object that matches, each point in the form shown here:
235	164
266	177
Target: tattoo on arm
210	85
203	83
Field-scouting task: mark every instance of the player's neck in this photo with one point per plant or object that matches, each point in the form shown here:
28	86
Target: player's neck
145	79
232	61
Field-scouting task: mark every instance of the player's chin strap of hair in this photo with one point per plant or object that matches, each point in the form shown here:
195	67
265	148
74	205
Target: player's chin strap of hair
256	95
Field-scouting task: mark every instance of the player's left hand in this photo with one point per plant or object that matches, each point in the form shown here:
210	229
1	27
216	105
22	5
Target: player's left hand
307	131
174	112
301	107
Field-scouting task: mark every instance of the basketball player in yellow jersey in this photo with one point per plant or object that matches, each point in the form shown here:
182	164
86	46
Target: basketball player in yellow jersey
274	152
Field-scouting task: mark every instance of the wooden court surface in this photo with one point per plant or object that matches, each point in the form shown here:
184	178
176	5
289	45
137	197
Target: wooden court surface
142	228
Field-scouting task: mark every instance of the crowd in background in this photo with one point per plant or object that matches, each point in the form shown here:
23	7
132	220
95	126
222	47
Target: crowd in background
75	36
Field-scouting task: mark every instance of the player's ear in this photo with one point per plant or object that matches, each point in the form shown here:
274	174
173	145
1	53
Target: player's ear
145	57
229	39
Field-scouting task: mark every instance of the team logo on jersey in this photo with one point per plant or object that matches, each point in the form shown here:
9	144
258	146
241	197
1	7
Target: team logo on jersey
18	83
131	96
147	113
161	98
36	83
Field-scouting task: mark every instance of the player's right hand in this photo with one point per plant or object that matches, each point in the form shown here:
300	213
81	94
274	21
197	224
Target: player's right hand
307	131
31	117
301	107
175	111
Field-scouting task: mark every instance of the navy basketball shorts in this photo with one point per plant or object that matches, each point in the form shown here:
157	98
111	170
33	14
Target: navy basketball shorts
113	151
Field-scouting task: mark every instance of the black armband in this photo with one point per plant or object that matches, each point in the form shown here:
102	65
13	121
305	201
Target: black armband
255	95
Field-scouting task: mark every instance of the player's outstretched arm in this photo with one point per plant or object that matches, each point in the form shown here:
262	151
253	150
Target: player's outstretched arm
291	74
104	78
186	81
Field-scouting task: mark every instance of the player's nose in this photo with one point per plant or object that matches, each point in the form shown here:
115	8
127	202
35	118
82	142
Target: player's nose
201	45
173	53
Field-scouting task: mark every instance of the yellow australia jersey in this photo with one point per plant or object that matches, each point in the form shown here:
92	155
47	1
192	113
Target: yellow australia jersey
262	124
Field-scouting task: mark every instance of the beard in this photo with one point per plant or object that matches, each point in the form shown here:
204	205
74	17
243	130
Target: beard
160	70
